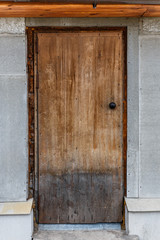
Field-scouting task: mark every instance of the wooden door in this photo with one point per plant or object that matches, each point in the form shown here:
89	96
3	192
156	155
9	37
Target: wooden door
80	136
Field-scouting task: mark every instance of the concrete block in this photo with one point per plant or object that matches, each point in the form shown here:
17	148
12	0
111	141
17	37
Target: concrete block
150	108
82	22
143	204
13	138
132	172
149	62
132	111
85	235
145	225
143	218
150	138
16	227
149	173
16	208
12	55
150	26
12	26
149	166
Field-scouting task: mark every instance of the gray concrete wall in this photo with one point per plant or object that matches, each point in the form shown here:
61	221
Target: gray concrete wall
143	57
16	227
13	107
149	42
143	143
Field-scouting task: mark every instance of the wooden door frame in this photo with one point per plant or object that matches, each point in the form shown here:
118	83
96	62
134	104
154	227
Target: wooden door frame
32	50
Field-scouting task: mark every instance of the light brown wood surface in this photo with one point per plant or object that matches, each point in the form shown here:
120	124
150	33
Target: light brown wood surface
30	9
80	137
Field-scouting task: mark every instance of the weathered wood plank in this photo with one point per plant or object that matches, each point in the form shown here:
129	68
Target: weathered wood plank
27	9
80	137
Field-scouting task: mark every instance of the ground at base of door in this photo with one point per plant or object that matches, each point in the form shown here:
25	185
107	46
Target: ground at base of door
83	235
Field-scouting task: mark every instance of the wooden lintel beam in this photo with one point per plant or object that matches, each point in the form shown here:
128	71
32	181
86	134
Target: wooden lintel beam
28	9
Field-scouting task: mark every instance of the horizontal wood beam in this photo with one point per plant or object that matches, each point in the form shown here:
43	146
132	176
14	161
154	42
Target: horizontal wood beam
28	9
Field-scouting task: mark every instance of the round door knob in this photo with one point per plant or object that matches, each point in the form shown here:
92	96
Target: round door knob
112	105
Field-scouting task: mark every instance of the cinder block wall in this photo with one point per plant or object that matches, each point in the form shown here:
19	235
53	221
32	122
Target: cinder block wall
13	110
143	57
149	165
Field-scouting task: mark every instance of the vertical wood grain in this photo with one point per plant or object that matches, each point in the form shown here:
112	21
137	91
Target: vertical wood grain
80	137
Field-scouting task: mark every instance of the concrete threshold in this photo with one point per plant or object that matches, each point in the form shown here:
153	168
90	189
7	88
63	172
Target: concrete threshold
83	235
90	226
